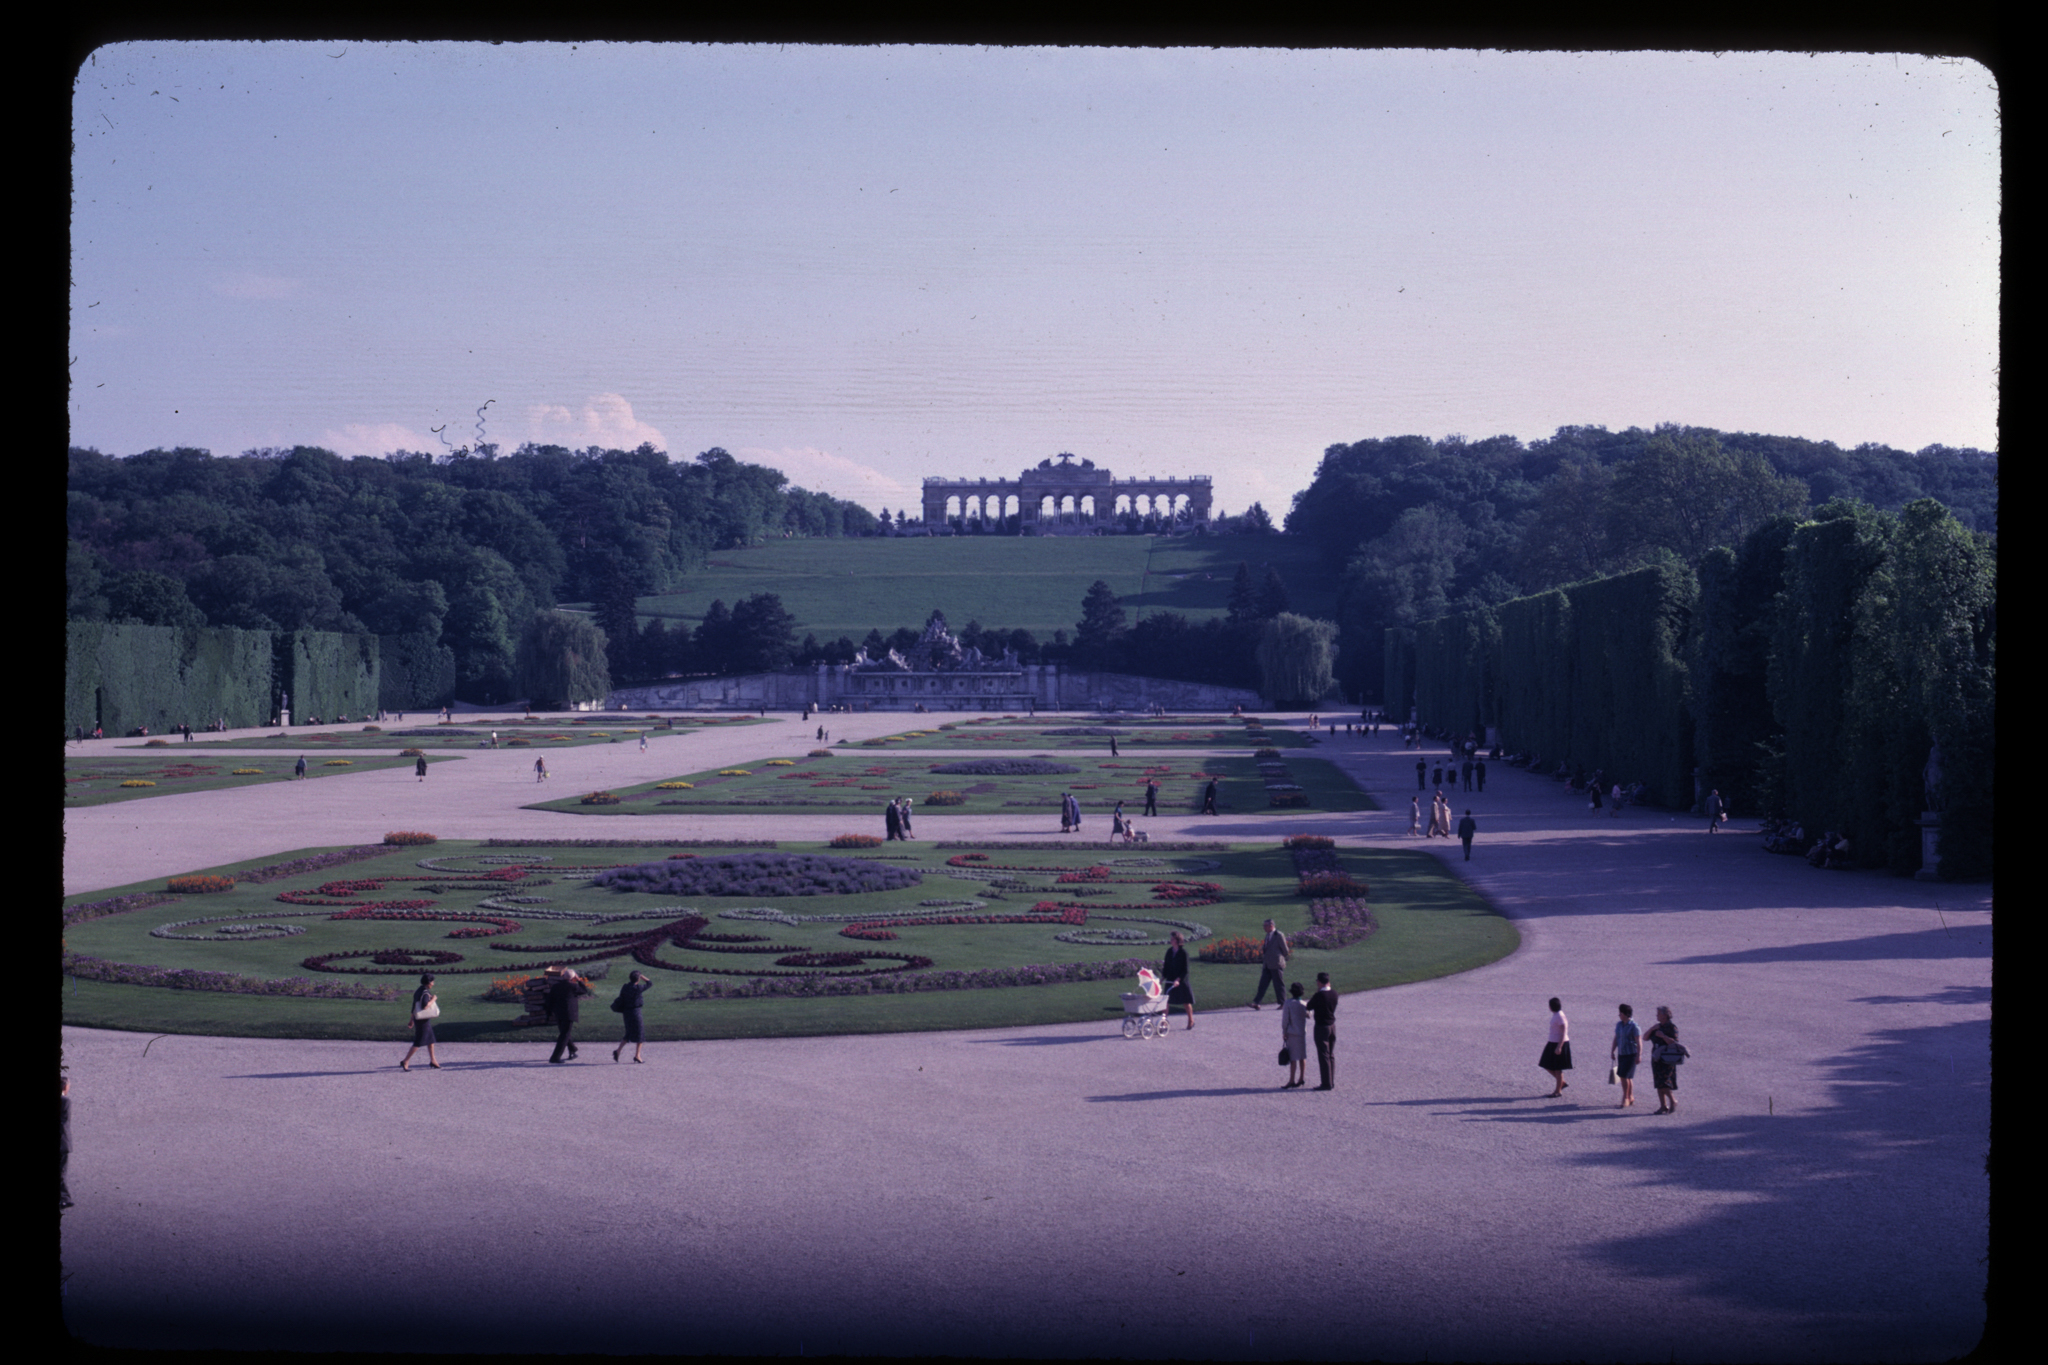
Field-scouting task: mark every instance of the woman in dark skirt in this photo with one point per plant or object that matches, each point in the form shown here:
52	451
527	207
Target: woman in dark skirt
1557	1053
1664	1053
423	1000
1174	972
628	1005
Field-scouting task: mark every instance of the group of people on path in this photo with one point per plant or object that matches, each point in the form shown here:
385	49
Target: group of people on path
896	819
565	987
1304	1017
1440	821
1666	1054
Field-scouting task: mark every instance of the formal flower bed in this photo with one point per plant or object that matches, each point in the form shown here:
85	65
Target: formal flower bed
1240	950
600	799
339	763
1336	923
626	843
907	983
1294	841
1005	767
406	838
674	786
819	753
780	763
186	979
763	875
734	772
138	782
200	884
945	799
1317	884
857	841
246	772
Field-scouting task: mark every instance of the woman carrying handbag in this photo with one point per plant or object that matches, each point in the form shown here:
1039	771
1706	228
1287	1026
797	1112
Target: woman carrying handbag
426	1008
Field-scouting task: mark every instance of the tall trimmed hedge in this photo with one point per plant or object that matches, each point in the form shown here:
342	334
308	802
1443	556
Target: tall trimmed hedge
123	677
1532	675
1456	691
415	672
1629	685
1397	678
327	674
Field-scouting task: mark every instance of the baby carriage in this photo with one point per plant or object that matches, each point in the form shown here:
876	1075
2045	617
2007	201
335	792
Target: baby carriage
1145	1008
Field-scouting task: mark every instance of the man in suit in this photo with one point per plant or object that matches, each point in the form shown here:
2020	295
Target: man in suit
1209	798
1322	1009
1467	827
1151	797
561	1007
1272	962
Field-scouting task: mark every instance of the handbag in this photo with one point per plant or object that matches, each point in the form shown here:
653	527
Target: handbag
1286	1057
431	1011
1614	1075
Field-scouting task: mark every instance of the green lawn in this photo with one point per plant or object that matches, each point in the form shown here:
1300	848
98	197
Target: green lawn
1009	735
859	782
96	781
1430	925
848	587
512	731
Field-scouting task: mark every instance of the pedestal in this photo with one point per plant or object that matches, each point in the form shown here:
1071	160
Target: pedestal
1930	846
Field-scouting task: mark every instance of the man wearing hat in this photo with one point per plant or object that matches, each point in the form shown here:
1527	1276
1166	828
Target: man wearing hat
563	992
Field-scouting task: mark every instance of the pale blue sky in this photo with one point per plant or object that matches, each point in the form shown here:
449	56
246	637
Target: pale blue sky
868	265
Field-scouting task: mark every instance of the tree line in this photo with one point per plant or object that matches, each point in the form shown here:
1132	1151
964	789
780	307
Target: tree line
1415	529
450	559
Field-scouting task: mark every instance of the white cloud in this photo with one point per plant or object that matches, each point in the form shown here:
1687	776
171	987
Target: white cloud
250	284
820	471
606	420
377	438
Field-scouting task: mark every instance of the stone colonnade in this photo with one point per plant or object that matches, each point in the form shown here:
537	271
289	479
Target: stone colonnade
1064	497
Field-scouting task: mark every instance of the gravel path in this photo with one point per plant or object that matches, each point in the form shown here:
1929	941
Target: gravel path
1821	1194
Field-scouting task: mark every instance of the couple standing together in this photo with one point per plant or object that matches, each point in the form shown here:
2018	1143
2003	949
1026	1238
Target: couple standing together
896	818
1296	1014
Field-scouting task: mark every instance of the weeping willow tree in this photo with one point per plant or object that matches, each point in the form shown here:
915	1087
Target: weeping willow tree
1297	658
561	660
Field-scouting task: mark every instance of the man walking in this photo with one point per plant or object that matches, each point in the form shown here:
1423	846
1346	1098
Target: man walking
561	1008
299	768
1209	798
1421	774
1151	797
419	769
1322	1008
892	823
1467	827
1466	770
903	815
1272	963
1717	810
1480	773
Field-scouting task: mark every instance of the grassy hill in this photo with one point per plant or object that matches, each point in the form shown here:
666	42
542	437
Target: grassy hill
847	587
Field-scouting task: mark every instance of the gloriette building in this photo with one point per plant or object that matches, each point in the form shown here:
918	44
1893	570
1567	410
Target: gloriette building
1063	496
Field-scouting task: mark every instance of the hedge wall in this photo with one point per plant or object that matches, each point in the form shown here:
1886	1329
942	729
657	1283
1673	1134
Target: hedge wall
122	677
1532	675
415	672
327	674
1397	679
1593	674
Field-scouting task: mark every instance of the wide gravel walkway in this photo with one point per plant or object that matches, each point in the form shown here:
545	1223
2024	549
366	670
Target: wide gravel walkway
1820	1195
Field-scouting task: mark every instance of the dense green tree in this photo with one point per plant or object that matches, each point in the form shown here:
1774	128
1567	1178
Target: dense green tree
561	661
1272	595
1296	656
1684	493
764	634
145	597
1244	598
1101	624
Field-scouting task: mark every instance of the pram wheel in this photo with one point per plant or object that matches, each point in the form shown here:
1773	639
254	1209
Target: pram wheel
1131	1026
1151	1026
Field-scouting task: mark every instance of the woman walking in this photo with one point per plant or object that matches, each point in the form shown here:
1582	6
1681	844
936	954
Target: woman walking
1414	816
1557	1053
1174	972
1664	1054
1294	1036
1628	1047
426	1008
631	997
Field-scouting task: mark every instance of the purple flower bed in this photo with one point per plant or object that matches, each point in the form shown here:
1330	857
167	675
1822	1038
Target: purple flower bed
279	871
1007	767
760	874
79	914
185	979
1076	845
628	843
1057	974
1336	923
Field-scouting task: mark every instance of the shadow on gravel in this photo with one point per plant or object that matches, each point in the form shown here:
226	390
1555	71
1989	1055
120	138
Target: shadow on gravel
1867	1217
1922	945
1184	1094
1049	1041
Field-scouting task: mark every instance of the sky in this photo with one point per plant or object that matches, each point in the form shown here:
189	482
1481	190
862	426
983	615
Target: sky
869	265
